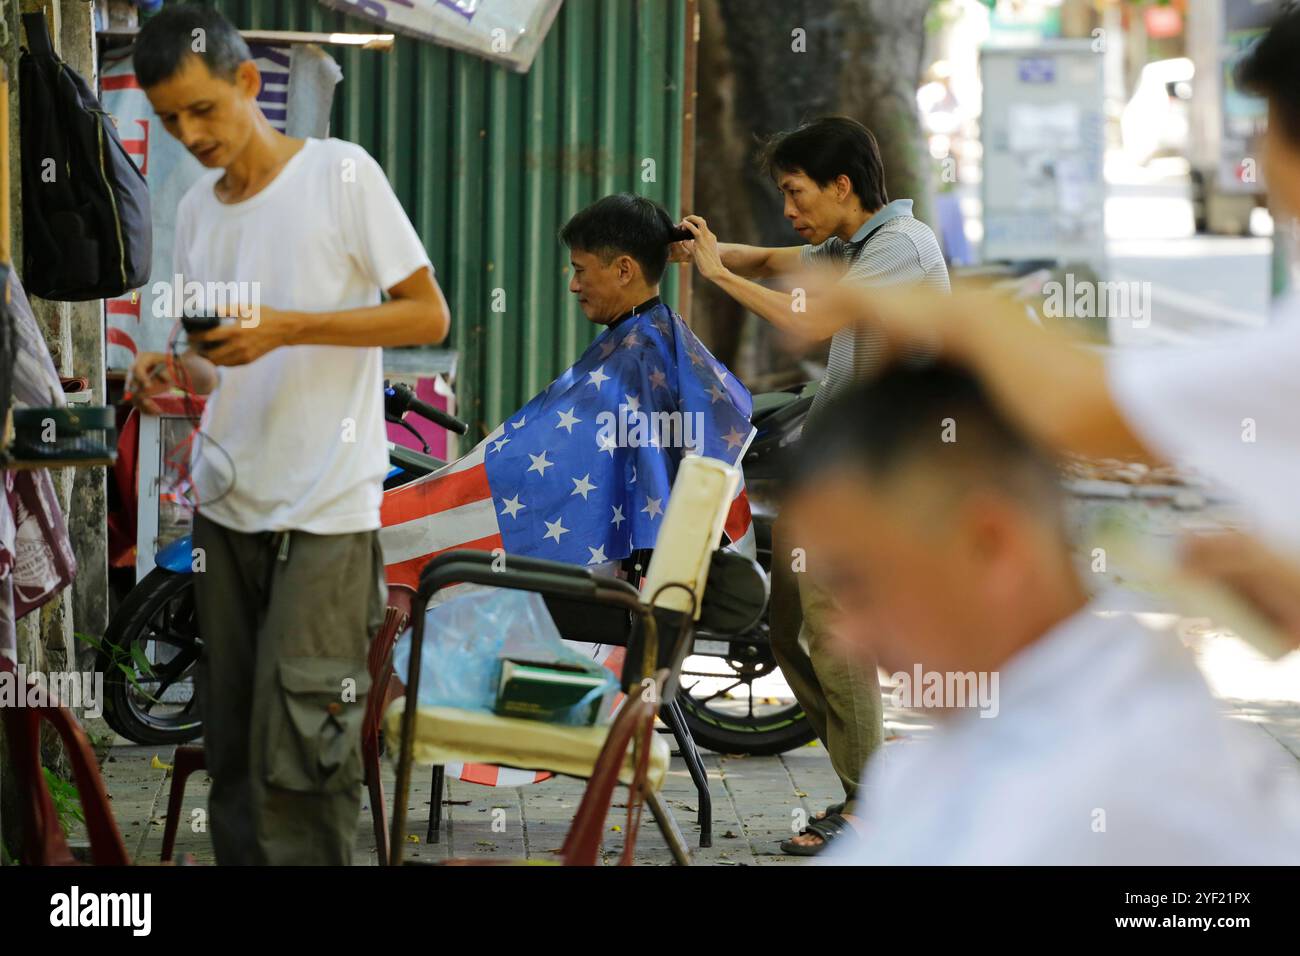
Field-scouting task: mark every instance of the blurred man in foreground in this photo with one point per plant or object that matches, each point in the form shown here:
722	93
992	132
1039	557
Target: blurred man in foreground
937	527
1226	408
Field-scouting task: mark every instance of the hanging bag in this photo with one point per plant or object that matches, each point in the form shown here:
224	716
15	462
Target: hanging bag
87	232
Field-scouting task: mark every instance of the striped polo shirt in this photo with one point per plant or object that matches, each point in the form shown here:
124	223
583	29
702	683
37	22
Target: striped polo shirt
891	248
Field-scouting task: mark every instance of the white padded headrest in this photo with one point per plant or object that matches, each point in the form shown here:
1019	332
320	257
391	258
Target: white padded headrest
697	509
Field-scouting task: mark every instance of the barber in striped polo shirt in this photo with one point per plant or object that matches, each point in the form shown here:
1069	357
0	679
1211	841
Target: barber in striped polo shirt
832	180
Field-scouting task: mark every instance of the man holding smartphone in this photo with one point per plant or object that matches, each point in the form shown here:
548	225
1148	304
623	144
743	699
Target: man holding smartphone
289	465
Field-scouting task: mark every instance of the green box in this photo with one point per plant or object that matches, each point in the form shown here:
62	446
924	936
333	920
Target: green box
548	691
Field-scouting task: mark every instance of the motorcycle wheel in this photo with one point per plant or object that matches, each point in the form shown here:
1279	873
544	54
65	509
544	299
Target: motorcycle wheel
737	718
150	696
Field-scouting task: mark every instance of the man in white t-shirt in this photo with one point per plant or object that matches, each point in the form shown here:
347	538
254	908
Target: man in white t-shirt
1065	733
307	235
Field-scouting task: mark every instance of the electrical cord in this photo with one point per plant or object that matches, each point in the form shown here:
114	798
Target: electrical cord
183	453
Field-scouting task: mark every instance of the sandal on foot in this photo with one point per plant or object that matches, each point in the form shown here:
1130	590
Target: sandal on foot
829	828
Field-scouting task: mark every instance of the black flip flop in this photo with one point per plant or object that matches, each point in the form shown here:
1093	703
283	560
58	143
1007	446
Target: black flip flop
829	828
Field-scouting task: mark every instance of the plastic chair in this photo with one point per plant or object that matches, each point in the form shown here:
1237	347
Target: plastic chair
43	841
678	573
632	728
451	732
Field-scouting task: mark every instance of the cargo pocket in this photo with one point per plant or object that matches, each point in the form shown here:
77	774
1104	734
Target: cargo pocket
313	740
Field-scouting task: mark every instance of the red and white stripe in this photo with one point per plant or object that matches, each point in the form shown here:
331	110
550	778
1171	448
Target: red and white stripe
739	526
459	497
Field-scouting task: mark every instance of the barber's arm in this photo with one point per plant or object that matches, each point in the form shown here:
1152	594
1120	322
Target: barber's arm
415	314
759	262
775	306
1059	391
1056	390
1267	580
752	262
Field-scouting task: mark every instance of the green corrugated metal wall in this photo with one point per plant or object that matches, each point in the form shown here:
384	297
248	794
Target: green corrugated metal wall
489	164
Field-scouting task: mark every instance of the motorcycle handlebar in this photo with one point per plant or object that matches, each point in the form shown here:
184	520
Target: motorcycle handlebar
407	402
439	417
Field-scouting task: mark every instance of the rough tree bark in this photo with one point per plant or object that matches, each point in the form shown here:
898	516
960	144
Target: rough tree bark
722	143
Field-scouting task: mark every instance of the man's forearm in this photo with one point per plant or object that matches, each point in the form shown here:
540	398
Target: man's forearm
778	308
393	323
759	262
748	261
1057	391
202	373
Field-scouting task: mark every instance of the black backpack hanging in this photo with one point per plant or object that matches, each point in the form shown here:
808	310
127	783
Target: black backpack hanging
87	232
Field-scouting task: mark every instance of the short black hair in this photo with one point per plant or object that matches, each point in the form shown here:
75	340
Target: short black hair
931	413
827	148
624	224
1272	69
167	39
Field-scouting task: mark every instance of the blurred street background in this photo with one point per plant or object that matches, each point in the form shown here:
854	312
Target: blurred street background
1150	173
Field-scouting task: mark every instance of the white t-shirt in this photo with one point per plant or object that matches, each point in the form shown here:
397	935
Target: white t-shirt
1231	410
302	428
1107	748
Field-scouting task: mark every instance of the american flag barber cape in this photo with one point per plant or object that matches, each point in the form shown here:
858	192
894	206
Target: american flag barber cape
582	472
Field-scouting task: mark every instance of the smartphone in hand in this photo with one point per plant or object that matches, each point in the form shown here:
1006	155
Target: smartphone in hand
200	324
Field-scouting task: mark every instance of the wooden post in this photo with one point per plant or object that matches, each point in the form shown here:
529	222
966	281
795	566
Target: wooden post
47	632
9	810
5	245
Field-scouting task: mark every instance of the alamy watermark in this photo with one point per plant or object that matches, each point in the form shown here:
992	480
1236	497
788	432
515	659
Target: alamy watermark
633	428
947	690
191	297
133	911
71	689
1092	299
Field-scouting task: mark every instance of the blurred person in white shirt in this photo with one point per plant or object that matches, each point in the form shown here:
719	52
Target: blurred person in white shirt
938	528
1226	408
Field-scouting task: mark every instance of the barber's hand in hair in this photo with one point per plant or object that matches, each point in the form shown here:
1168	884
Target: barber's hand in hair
705	247
681	251
247	338
1266	580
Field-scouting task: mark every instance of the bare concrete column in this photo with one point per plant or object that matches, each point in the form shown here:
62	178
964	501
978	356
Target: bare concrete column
88	516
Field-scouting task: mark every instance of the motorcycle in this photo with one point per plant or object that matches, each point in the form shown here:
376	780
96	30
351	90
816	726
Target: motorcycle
152	645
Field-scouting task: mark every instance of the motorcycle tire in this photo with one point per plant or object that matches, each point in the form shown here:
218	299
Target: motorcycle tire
765	737
134	625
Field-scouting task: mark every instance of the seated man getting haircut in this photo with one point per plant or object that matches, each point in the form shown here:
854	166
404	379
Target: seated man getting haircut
1062	736
582	472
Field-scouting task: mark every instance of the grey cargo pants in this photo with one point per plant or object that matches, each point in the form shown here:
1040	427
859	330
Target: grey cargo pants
286	620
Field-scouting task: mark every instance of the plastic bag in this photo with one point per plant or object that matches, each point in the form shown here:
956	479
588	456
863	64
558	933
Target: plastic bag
466	639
